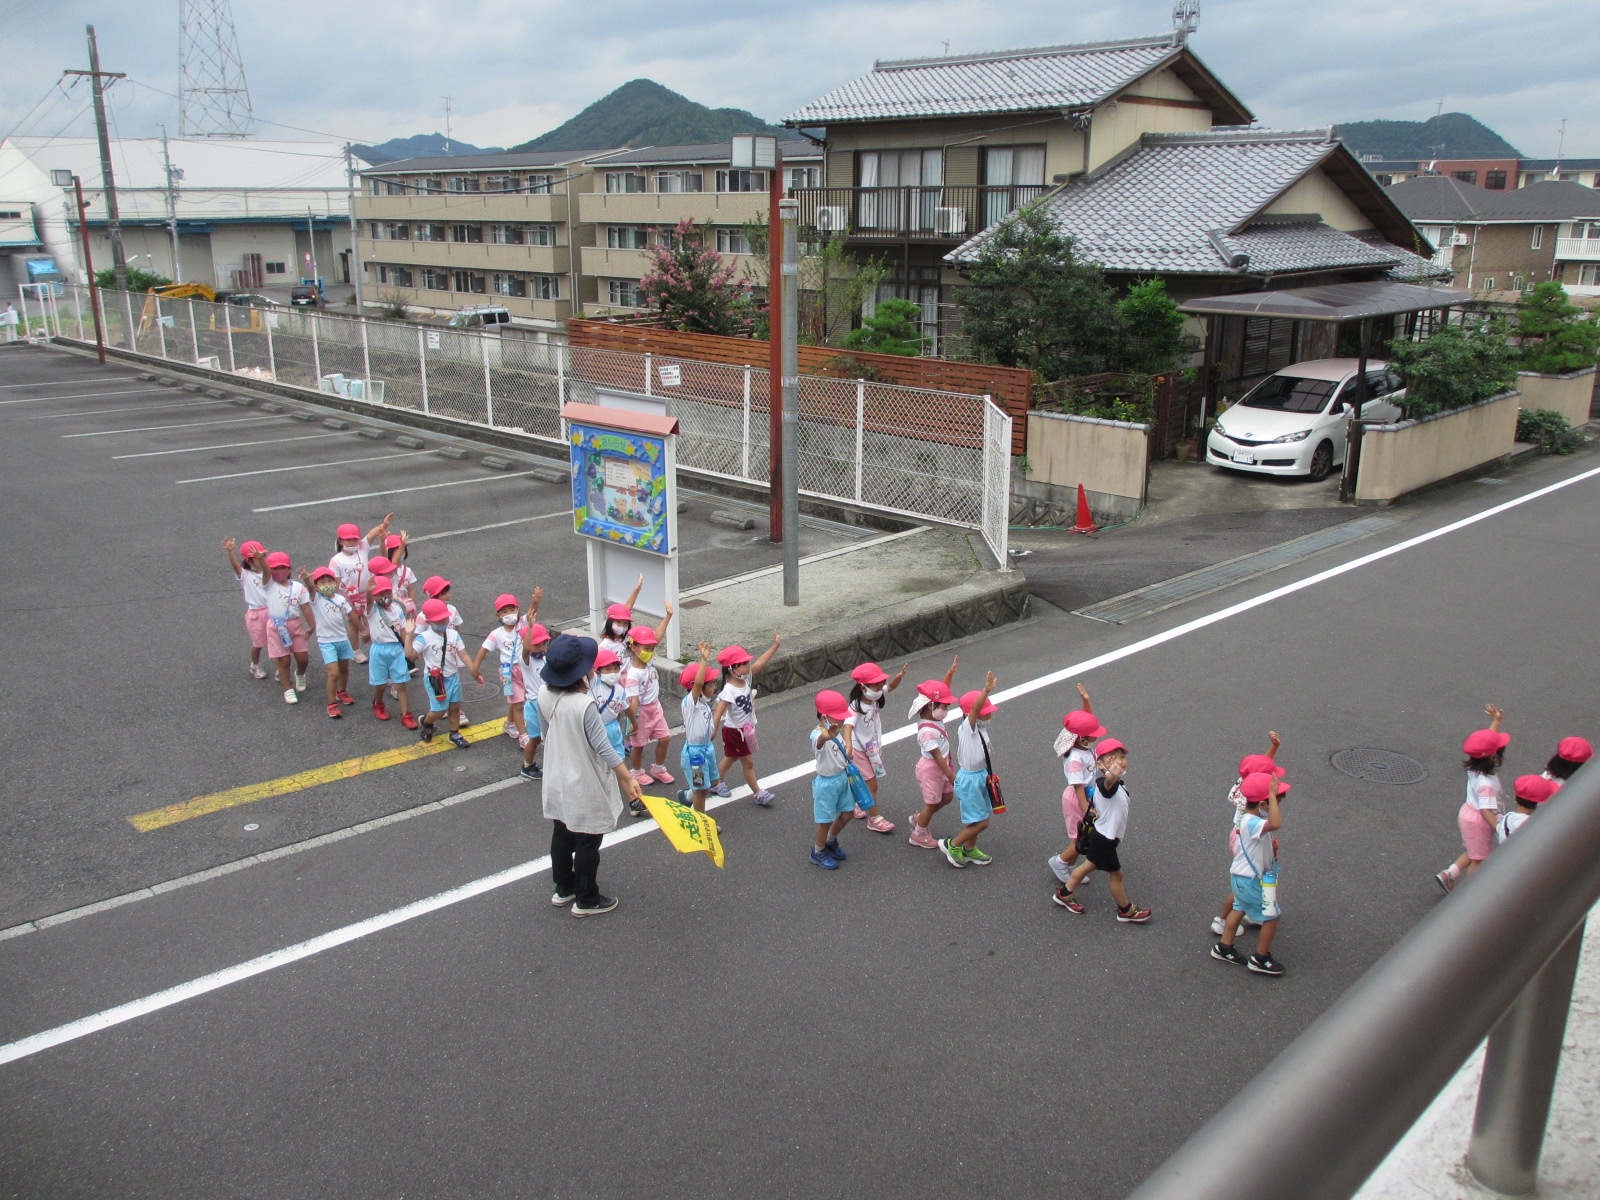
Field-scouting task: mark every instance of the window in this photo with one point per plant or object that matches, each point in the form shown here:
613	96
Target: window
624	181
506	235
277	268
732	241
1384	180
1495	180
679	181
466	233
434	280
541	185
1586	229
802	177
381	271
899	169
1589	274
431	183
468	281
509	285
1488	285
545	287
1465	176
624	293
430	232
391	231
1017	169
627	237
400	276
540	235
1538	237
499	183
464	183
741	181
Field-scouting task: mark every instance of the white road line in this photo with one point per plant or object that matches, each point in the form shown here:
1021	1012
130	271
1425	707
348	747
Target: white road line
391	492
343	462
71	1031
304	437
76	382
428	537
159	428
90	395
95	412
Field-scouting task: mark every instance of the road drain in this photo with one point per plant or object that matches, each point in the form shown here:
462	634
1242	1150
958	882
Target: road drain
1379	766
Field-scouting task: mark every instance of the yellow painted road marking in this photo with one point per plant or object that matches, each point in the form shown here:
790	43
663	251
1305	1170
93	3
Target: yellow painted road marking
160	818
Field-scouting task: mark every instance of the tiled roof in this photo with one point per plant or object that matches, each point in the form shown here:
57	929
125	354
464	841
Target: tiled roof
1281	248
1045	77
1436	198
481	162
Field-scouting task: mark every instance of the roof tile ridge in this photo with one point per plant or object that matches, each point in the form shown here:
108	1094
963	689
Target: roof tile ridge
1138	43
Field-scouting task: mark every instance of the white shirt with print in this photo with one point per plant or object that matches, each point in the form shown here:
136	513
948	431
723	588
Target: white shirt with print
331	614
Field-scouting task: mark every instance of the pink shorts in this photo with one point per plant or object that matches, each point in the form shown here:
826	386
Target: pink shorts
275	646
862	762
358	601
936	786
1476	836
1071	809
519	690
255	624
651	725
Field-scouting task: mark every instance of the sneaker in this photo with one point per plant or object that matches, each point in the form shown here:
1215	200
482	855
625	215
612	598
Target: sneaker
345	698
531	772
299	683
425	730
721	789
1447	883
1218	926
642	778
660	773
636	808
256	671
953	854
764	798
1227	954
836	850
361	656
1265	964
860	814
523	740
1133	915
976	857
335	711
511	732
880	824
824	860
1059	869
465	720
408	720
394	692
920	837
1067	900
459	742
380	710
600	904
562	899
290	696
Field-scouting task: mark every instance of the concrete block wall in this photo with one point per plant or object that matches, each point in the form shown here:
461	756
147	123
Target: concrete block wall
1571	395
1406	456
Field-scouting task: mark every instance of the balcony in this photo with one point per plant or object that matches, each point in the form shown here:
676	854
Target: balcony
924	214
668	208
475	256
1578	249
463	206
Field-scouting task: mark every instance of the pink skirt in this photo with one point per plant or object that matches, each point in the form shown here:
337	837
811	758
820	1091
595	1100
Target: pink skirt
1071	809
1476	836
936	786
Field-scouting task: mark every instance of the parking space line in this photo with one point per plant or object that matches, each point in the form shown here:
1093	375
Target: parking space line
343	462
89	395
96	412
304	437
391	492
75	382
159	428
200	806
428	537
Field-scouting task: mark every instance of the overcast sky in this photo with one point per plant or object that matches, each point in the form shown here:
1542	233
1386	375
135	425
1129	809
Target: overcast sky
367	71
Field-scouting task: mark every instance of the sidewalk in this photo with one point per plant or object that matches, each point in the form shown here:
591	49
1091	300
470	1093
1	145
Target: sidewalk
1428	1164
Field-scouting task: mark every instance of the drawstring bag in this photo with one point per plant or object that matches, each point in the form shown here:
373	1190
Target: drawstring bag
991	781
858	784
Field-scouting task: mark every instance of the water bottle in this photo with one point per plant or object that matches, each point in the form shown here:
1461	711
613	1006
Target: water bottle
1269	893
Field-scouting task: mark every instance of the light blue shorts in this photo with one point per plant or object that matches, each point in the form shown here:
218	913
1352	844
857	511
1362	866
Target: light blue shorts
452	694
712	775
387	664
973	797
614	734
530	720
339	651
831	797
1247	897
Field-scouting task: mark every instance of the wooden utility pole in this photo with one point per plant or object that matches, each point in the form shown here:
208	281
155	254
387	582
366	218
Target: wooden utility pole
108	183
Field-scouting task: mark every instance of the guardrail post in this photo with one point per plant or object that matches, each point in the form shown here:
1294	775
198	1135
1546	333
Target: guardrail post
194	333
561	376
488	393
129	331
316	350
161	330
272	357
1519	1077
649	375
422	365
366	358
233	365
744	435
861	422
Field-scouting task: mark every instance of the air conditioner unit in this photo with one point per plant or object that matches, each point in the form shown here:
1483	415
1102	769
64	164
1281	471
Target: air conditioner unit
950	220
1460	239
211	362
833	218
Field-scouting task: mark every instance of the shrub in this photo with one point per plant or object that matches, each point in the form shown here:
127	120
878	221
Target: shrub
391	306
693	287
138	281
1548	430
1556	335
891	329
1457	367
1151	330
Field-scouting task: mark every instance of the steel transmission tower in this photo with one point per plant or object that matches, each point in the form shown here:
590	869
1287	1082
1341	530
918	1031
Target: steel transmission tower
213	100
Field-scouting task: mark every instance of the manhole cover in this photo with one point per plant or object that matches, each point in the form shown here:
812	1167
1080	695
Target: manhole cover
1379	766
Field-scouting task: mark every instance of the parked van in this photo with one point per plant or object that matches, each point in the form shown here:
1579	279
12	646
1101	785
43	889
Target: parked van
480	316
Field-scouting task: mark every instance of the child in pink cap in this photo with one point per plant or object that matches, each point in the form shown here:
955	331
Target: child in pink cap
1250	764
1253	871
289	622
396	548
971	787
249	567
1100	835
935	775
1480	813
613	631
736	711
1571	754
1530	791
832	804
642	685
505	640
870	690
1079	729
349	566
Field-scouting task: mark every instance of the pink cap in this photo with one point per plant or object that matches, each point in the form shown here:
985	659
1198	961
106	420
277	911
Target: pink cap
606	658
1108	746
1575	749
436	611
869	674
379	565
393	542
643	635
832	705
381	587
434	584
690	675
1255	787
970	701
1485	742
506	600
250	549
732	656
323	573
1251	764
936	690
348	530
1081	723
1533	789
620	612
277	559
538	633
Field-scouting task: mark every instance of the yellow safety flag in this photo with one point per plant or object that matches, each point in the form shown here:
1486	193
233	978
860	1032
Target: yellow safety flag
685	828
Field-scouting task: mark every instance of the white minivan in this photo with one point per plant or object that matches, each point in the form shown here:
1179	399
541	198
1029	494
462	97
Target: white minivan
1294	422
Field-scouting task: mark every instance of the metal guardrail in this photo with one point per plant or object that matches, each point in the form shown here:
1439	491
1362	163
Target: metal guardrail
1496	959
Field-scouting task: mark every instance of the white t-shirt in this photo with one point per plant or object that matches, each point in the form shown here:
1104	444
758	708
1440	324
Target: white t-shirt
255	595
532	664
1483	791
1251	837
829	756
1508	825
431	646
697	728
507	643
741	702
1078	766
642	682
931	736
609	698
617	646
331	615
969	747
351	568
1112	821
381	616
404	580
284	599
866	727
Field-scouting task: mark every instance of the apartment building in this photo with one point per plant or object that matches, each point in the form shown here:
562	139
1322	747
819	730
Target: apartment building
1495	175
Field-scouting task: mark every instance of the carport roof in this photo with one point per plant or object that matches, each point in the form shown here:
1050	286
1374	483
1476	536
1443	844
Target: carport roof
1332	302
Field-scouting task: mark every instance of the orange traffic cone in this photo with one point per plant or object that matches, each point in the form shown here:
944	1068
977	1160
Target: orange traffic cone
1085	523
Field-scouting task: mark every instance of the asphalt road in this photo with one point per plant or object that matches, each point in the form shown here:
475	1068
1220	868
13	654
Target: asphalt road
892	1028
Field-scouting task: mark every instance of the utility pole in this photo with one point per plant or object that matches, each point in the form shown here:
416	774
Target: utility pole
119	260
63	178
355	229
789	363
760	152
311	240
173	175
447	124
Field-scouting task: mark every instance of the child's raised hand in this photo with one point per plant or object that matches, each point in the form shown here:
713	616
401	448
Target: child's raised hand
1083	694
385	522
776	640
705	651
1493	712
229	543
667	605
1272	736
989	681
538	595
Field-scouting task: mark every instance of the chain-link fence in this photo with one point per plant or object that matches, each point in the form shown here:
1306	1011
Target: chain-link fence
914	452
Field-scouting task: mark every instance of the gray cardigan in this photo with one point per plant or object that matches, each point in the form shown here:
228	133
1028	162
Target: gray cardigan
580	785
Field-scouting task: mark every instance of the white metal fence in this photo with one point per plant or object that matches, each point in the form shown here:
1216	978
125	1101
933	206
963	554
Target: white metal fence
913	452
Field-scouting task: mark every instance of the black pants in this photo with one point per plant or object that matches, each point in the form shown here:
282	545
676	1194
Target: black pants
575	863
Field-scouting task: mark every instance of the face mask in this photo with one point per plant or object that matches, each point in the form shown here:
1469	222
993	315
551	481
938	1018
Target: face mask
508	619
348	547
325	588
618	628
644	655
941	711
609	676
872	693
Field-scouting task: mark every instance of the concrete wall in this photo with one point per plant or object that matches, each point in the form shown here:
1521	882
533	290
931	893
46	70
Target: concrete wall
1570	395
1117	125
1111	459
1400	458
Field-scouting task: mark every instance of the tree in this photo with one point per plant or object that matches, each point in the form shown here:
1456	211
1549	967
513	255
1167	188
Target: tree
1555	334
138	281
1458	366
891	329
1033	303
833	285
694	288
1151	329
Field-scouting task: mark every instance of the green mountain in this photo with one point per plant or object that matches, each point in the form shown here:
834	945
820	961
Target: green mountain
1449	135
643	113
422	145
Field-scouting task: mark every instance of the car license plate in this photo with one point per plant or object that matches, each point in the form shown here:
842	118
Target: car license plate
1244	456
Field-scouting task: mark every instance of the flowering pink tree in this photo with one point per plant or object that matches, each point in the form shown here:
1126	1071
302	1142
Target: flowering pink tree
695	288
